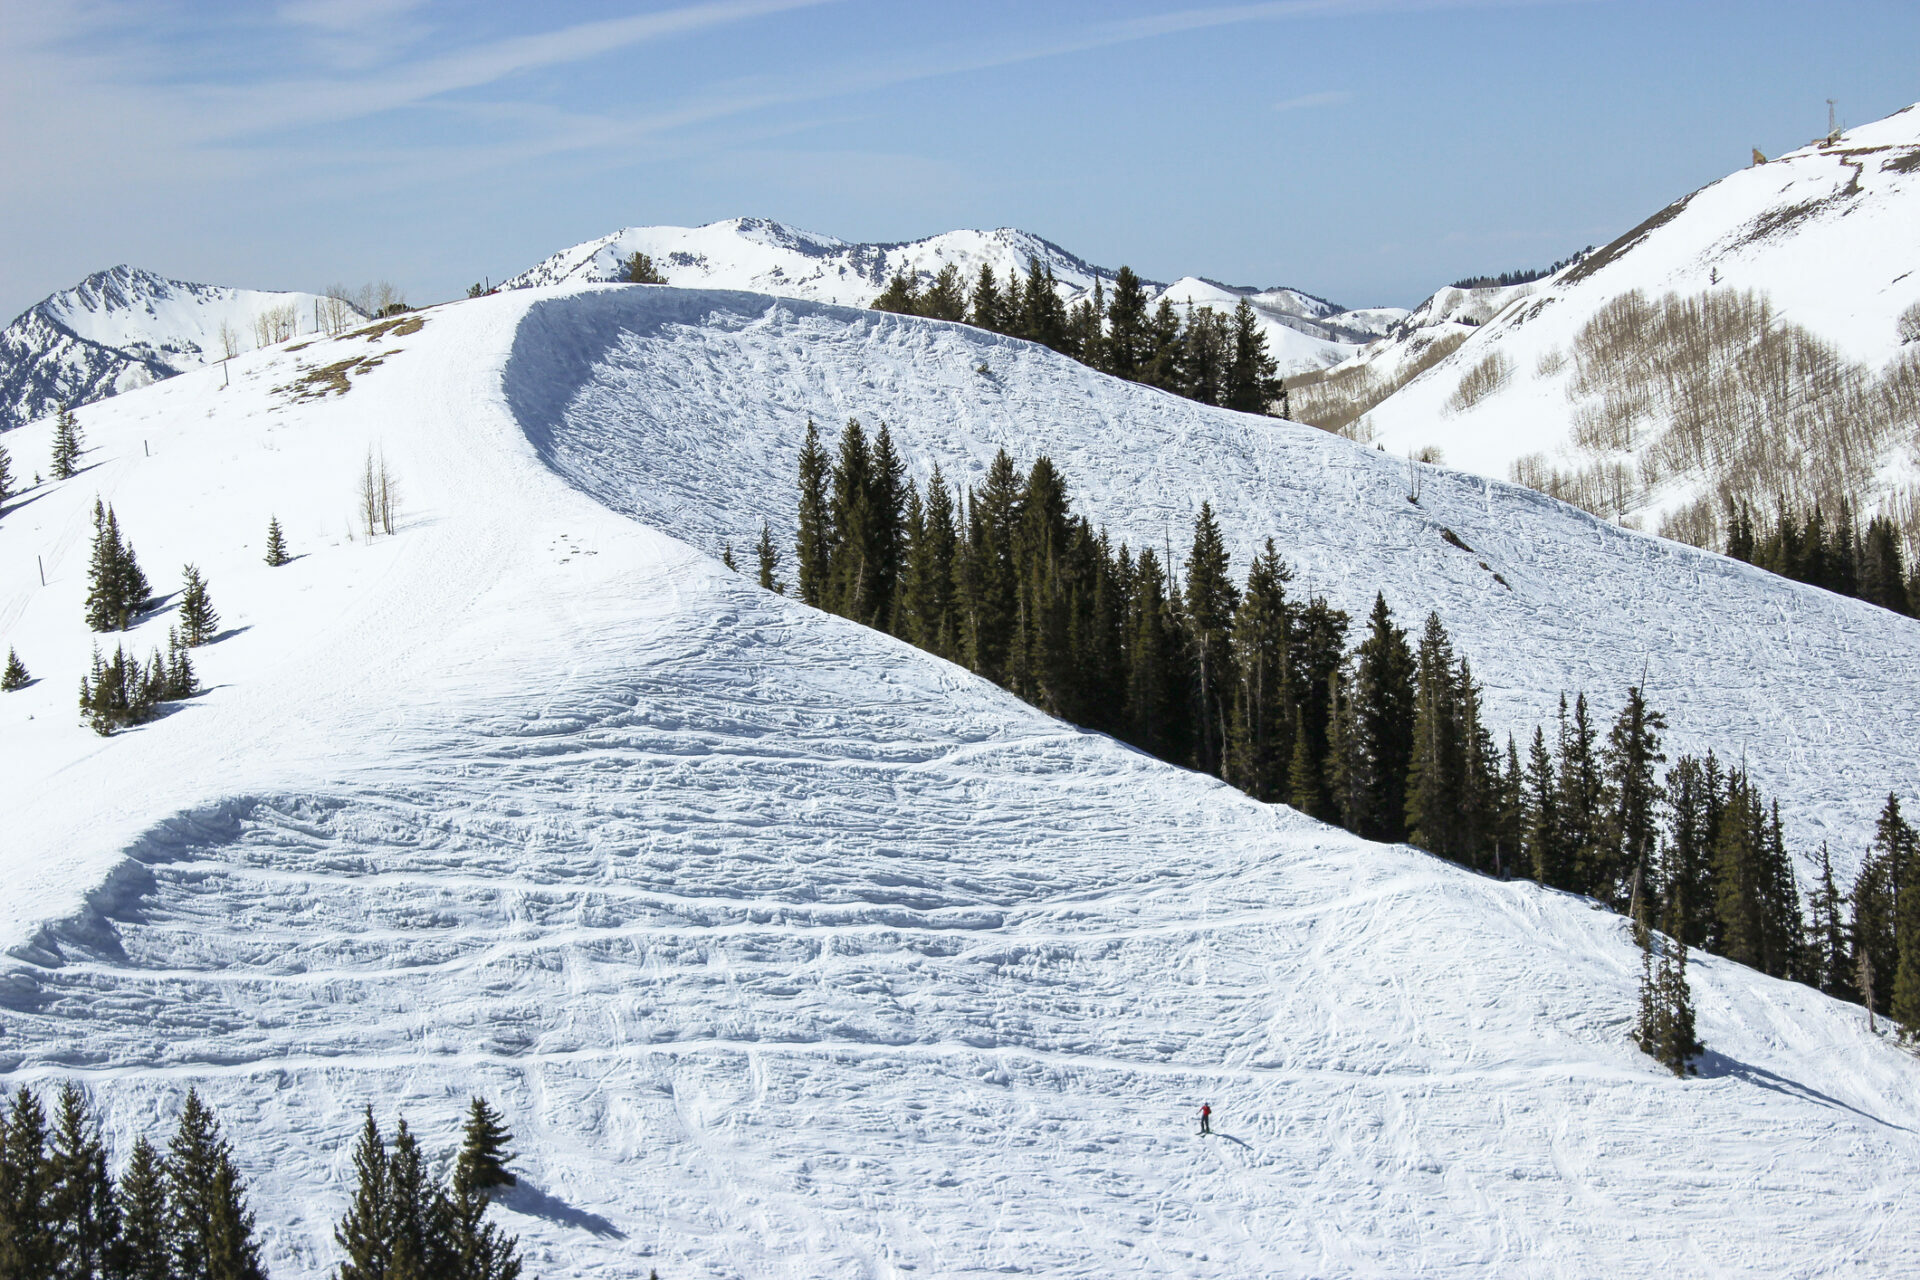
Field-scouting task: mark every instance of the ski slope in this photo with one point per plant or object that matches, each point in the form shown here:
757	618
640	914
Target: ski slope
790	951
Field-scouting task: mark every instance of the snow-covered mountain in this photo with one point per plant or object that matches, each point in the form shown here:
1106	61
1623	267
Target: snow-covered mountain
792	951
125	327
755	254
1757	335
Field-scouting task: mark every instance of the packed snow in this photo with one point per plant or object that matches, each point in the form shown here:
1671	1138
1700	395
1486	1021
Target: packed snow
791	951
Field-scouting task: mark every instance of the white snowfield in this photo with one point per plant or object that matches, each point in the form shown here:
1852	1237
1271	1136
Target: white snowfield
757	254
1825	233
793	952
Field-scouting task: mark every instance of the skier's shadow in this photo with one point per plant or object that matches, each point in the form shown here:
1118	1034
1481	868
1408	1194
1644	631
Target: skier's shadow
1241	1142
1710	1064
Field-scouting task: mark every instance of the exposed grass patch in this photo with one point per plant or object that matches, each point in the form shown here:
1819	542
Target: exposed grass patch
331	379
398	327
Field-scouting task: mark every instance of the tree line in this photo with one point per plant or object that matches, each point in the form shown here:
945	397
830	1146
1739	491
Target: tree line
1829	552
1247	679
182	1214
1210	357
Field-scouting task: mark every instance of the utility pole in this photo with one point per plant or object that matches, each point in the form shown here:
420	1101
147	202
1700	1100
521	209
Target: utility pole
1833	124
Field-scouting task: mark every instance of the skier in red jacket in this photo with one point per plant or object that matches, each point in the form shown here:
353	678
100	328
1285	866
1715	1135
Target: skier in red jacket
1206	1117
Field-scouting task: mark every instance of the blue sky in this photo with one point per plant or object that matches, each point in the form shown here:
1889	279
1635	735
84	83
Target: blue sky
1365	150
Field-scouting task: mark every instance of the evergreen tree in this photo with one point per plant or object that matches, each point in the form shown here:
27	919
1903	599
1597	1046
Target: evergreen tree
1694	804
768	556
887	501
419	1215
1895	841
480	1250
1126	348
946	298
1882	577
853	582
987	307
1632	752
15	675
638	268
989	581
1827	938
927	585
1210	604
365	1231
144	1250
902	295
1163	348
6	476
198	618
1261	743
29	1248
212	1229
1546	837
66	444
1206	347
1151	636
116	588
726	557
1583	804
814	544
1252	384
1437	784
1378	731
276	543
85	1218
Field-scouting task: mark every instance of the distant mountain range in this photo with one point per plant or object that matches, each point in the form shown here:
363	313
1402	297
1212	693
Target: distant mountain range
124	328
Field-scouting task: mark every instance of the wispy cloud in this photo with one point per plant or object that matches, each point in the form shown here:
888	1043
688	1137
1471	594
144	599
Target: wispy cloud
1331	98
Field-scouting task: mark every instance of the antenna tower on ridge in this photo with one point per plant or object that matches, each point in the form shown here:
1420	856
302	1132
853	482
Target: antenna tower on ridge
1833	124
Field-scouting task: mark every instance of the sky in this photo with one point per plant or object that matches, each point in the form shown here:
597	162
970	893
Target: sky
1368	151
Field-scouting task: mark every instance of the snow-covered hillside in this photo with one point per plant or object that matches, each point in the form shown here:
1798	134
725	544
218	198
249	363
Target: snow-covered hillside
124	328
755	254
791	951
1813	261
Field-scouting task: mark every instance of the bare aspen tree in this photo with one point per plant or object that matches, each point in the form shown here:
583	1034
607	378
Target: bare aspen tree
229	341
389	497
369	498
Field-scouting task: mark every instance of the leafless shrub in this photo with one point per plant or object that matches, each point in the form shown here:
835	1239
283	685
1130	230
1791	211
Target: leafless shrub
1550	363
1908	326
1431	454
1481	381
379	496
1718	390
276	324
1339	400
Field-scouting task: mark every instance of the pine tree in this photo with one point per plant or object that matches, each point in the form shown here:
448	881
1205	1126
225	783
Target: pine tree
15	675
1261	742
902	295
276	543
28	1246
946	297
116	588
1210	604
1377	733
1694	804
66	444
1546	838
6	476
1206	346
84	1215
768	556
1150	640
212	1229
180	680
639	269
814	544
144	1250
1895	841
1127	349
420	1217
927	584
1827	938
726	557
365	1231
1583	801
198	618
1252	384
990	580
1436	790
1631	754
987	306
481	1250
